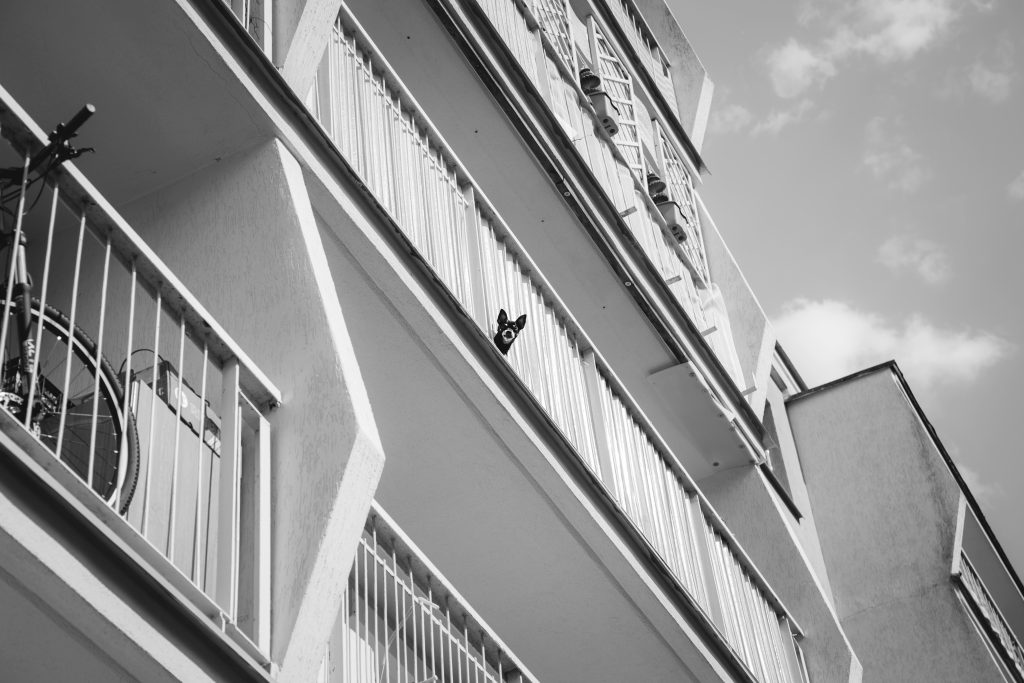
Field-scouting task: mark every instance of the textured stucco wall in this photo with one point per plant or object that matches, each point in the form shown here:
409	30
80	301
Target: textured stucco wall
885	505
241	234
753	335
689	77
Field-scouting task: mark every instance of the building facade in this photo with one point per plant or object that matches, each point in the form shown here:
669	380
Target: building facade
261	422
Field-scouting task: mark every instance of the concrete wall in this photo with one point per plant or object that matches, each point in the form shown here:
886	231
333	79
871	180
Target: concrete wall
885	505
689	77
804	528
242	234
752	334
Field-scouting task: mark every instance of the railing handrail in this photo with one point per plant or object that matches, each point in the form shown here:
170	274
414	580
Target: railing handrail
585	343
22	130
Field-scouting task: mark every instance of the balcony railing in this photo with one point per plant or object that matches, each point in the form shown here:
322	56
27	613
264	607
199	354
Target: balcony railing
992	617
154	416
620	165
401	622
257	18
389	143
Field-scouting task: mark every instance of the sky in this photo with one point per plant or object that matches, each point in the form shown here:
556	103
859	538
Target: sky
867	170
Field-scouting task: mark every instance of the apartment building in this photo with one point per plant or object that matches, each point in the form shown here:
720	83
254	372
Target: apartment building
261	423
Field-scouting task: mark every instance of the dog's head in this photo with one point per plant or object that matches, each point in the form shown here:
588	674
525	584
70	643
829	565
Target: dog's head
508	330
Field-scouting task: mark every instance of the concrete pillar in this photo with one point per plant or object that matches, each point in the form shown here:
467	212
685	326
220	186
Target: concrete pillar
301	31
242	235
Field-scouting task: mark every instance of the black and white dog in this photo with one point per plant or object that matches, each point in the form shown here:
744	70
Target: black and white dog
508	330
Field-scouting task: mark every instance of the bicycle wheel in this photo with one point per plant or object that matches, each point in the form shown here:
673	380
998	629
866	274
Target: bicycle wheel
65	404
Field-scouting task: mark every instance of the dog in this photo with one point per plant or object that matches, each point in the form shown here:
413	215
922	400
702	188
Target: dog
508	330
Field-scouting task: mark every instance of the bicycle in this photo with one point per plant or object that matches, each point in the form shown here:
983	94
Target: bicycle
51	377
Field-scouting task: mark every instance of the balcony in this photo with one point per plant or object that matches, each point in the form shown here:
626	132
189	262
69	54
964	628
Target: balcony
474	260
136	408
990	588
257	19
401	620
550	44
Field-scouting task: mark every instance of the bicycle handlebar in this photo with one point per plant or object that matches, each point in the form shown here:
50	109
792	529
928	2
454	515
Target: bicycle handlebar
62	134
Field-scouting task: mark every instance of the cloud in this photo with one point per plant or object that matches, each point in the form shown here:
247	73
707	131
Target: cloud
891	160
779	119
990	76
1016	188
924	257
829	339
990	83
885	31
794	68
730	119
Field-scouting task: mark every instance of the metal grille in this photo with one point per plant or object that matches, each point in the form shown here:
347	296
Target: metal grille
546	356
680	186
751	625
509	19
396	626
617	82
650	492
1005	637
409	174
554	21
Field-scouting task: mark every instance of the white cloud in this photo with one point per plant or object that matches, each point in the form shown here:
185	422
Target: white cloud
992	84
890	159
779	119
794	68
883	30
828	339
1016	188
730	119
924	257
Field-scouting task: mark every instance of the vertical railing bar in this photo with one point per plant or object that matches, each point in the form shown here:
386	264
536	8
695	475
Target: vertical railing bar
152	415
171	523
197	529
42	309
121	471
71	327
12	266
97	364
376	606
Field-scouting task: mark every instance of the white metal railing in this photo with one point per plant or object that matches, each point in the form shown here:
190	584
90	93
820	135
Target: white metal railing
395	155
680	185
617	82
549	359
478	258
400	622
257	18
171	438
1005	638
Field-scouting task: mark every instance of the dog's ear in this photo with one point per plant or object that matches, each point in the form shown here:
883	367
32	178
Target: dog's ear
502	317
521	321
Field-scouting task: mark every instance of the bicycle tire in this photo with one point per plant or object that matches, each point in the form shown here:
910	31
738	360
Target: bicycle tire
52	356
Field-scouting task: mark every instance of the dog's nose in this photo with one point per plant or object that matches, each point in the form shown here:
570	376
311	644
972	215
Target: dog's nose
508	335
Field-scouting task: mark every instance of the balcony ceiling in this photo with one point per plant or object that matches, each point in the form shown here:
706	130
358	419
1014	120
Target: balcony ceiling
493	511
162	95
39	645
